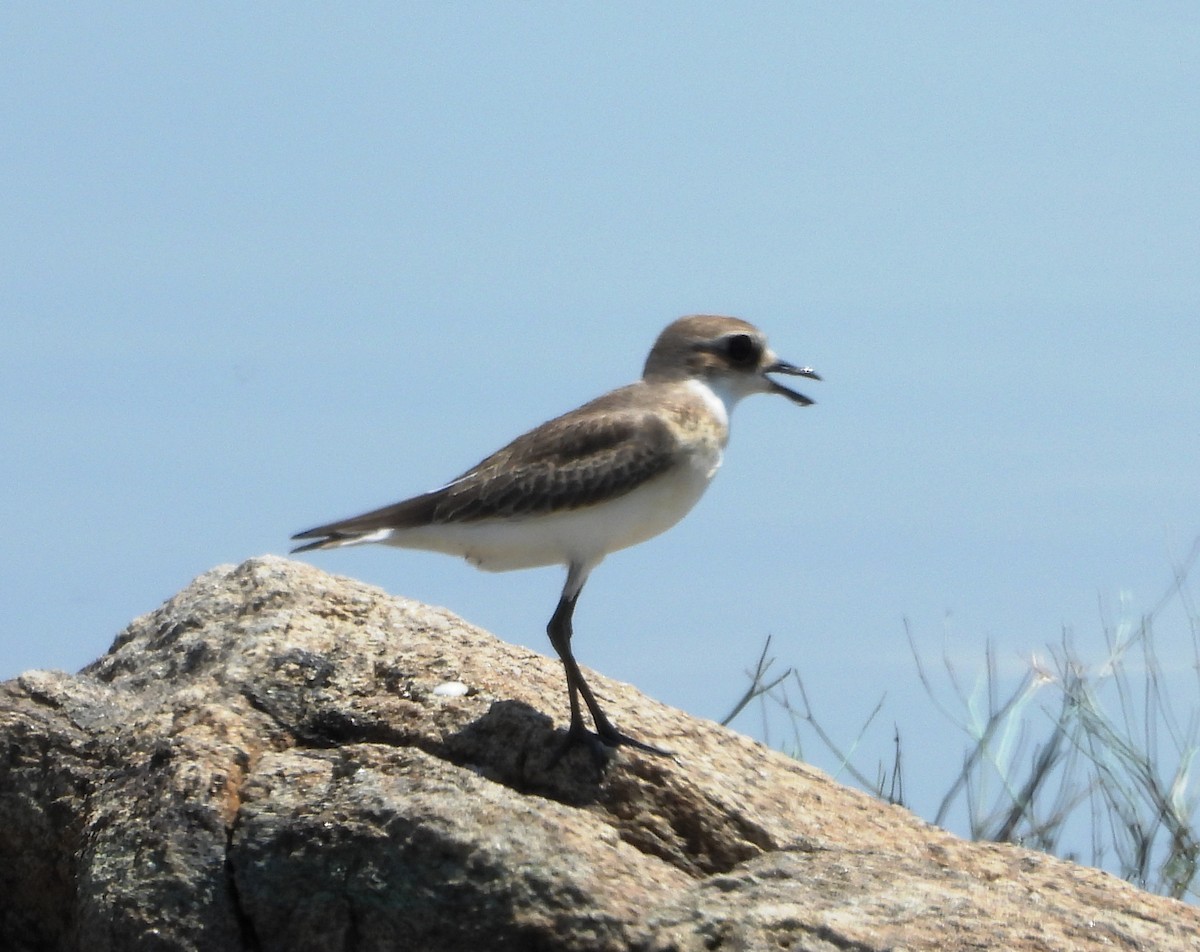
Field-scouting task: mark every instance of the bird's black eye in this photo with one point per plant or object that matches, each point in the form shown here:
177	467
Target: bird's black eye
742	349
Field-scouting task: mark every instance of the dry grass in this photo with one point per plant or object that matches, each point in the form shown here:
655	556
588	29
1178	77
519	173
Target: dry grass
1100	753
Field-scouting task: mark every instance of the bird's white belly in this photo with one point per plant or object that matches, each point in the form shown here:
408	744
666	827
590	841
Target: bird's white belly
579	535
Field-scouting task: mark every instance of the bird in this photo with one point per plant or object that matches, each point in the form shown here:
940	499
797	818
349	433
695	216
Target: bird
610	474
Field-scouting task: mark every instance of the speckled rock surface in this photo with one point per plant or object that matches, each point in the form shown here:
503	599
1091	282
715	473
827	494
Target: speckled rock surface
266	763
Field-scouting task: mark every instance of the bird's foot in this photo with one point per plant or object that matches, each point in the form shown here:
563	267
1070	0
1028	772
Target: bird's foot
613	738
601	743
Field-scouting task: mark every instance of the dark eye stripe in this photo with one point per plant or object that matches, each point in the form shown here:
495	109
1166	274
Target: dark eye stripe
742	349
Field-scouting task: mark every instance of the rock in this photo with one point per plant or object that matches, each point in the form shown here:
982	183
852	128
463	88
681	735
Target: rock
272	761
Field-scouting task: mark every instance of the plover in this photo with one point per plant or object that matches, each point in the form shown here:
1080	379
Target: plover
615	472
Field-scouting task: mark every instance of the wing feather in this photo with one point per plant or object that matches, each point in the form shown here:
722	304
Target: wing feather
568	463
561	467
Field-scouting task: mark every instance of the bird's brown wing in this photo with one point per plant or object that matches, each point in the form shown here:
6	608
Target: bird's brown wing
568	463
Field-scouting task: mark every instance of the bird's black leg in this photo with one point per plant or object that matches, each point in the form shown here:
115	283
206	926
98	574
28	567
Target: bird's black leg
606	735
559	630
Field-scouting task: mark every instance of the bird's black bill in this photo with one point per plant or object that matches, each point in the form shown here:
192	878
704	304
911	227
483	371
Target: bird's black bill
783	367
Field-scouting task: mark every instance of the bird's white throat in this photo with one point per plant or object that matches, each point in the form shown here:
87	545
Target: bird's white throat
719	398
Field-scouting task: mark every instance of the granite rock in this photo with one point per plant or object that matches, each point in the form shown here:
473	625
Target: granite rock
270	761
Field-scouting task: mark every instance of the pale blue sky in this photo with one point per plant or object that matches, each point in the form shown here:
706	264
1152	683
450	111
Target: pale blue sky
266	266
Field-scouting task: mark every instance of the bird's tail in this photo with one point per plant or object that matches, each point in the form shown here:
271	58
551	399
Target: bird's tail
328	538
375	526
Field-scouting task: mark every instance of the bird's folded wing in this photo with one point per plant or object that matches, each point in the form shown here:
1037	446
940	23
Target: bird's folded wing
558	466
562	466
